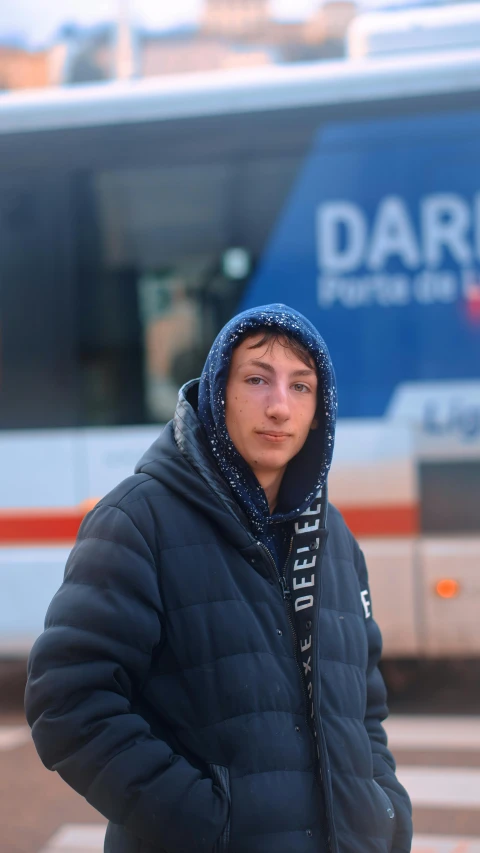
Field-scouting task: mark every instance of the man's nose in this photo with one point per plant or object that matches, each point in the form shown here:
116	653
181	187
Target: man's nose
278	405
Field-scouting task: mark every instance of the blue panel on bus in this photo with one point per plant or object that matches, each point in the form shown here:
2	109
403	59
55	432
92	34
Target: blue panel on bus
379	245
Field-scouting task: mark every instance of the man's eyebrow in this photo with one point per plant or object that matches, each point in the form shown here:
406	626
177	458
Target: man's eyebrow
307	371
264	365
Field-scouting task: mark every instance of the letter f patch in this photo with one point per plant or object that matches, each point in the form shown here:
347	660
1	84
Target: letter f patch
365	596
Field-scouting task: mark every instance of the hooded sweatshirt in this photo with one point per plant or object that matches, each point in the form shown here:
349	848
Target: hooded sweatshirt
307	472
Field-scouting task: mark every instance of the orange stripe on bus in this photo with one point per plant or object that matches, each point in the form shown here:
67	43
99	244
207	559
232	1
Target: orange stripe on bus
40	527
60	526
402	520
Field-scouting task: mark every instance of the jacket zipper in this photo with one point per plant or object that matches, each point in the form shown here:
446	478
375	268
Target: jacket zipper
320	733
287	597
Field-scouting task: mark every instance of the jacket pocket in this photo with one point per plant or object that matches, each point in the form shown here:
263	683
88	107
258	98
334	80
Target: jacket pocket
221	778
389	810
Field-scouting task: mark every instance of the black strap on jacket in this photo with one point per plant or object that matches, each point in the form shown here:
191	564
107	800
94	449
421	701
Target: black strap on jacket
304	574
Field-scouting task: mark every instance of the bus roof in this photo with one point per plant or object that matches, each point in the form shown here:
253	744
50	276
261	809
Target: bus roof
238	91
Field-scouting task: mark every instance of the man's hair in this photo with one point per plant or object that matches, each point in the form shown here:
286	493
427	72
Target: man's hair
272	336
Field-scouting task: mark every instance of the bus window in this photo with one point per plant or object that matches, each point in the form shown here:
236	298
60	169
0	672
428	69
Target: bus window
450	496
162	233
37	365
266	183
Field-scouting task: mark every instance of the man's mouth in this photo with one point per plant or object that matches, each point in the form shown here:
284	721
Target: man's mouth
274	437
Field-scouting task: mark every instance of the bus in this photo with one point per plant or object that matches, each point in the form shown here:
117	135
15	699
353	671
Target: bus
136	218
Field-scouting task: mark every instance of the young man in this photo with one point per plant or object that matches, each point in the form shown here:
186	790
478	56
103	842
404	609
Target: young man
208	674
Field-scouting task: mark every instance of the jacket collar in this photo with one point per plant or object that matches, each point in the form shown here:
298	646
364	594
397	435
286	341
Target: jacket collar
192	442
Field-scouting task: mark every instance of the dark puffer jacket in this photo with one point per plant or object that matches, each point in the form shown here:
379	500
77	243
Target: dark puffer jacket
165	688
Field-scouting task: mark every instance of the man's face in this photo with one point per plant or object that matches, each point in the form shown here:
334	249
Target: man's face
271	400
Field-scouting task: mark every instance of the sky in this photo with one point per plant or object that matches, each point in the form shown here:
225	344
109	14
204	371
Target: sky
36	21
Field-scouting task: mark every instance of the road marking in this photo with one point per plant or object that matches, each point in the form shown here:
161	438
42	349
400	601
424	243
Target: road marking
442	733
444	844
442	787
78	838
12	737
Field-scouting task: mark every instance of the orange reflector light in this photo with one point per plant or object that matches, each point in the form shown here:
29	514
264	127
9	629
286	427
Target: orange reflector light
447	588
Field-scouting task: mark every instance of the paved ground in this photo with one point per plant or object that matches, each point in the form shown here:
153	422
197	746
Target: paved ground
438	761
438	758
34	803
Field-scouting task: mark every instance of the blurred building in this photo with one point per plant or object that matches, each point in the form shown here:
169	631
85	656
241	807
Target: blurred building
181	52
22	69
330	22
325	32
90	56
230	34
236	19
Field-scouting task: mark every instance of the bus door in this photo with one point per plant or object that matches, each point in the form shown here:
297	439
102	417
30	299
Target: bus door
448	452
37	395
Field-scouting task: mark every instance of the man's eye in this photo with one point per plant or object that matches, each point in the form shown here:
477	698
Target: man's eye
255	380
299	386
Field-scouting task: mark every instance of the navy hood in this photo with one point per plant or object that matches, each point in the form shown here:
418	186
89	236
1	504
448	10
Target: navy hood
307	472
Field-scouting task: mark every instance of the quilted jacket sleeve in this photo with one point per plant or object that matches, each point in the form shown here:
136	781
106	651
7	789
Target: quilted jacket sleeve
376	712
100	632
